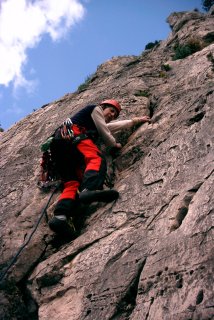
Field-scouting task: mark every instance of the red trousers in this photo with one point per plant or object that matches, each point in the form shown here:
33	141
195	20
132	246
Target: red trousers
81	166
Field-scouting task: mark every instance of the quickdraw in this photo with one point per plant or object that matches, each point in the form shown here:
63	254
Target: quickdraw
66	130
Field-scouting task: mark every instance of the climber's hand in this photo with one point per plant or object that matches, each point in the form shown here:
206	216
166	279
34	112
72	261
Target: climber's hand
115	151
118	146
143	119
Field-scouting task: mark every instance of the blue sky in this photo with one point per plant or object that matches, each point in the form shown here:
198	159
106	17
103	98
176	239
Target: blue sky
49	47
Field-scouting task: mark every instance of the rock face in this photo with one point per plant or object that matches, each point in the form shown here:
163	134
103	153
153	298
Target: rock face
148	255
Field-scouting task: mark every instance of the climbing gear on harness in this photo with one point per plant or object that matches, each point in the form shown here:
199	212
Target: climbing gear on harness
48	176
66	130
46	145
48	172
43	213
80	137
113	103
89	196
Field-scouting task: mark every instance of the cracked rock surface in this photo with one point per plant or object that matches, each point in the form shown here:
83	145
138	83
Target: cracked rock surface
149	255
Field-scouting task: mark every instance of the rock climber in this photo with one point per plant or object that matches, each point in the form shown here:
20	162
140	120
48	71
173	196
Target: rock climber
79	161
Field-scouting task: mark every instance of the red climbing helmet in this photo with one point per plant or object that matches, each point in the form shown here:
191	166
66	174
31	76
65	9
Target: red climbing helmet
113	103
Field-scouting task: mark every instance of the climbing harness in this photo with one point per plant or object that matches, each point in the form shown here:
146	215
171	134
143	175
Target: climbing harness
43	213
49	176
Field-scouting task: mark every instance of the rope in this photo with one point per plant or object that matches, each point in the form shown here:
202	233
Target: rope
43	213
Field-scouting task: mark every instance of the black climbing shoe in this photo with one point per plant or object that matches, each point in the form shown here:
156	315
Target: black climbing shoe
62	227
89	196
65	207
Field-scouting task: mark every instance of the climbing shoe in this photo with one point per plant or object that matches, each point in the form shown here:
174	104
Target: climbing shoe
89	196
61	225
65	207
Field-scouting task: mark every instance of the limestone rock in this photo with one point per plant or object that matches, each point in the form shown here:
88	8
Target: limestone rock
149	255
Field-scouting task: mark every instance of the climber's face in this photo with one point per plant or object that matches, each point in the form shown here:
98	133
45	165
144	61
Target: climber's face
110	113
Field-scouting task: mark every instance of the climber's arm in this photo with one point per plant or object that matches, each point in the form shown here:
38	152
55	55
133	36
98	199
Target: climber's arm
102	128
116	126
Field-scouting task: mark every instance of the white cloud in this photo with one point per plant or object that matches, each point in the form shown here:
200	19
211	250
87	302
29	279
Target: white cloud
22	25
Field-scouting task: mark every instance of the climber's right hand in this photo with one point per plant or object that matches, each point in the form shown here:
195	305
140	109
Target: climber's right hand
118	146
115	150
140	120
